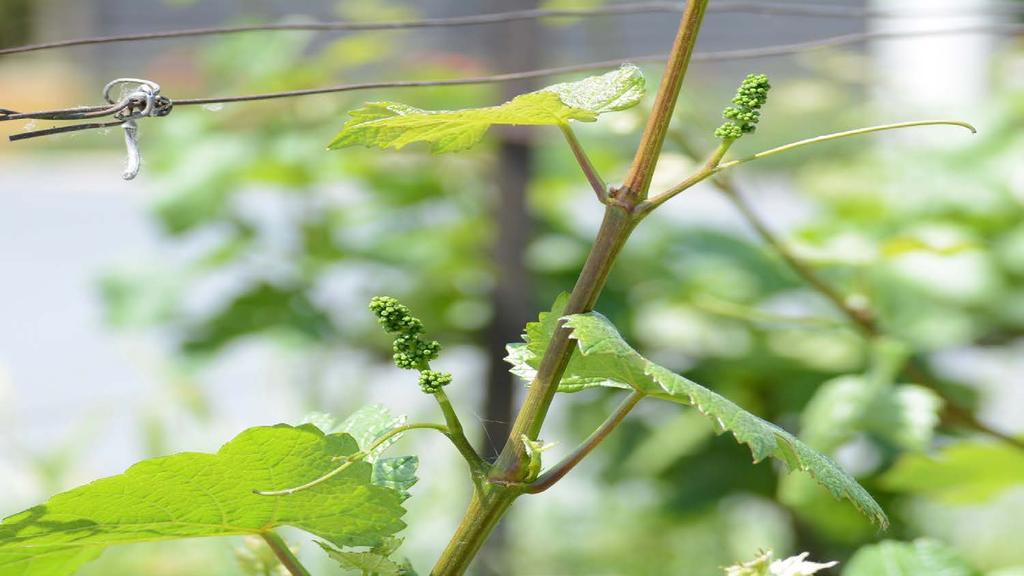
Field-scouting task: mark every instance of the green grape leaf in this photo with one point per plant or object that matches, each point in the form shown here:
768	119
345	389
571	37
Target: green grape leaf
56	561
611	92
363	563
962	473
604	355
398	473
372	562
890	558
368	424
393	125
525	356
191	495
905	415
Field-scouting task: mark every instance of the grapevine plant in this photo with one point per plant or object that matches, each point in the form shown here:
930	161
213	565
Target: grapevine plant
335	480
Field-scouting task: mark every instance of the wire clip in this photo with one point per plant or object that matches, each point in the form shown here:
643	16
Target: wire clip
135	98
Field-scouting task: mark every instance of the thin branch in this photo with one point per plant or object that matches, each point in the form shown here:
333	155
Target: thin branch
473	80
347	26
769	51
863	317
854	38
840	135
552	475
705	172
284	554
757	8
477	466
834	11
593	177
752	315
956	413
351	459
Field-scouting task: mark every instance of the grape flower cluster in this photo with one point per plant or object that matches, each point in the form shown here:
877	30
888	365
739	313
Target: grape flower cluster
411	351
743	117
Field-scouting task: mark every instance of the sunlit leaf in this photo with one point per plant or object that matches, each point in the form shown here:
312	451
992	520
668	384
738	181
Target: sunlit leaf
370	423
191	495
394	125
367	425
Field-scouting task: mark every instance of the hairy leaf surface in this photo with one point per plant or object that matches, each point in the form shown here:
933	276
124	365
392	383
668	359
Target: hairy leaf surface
606	357
196	494
398	473
394	125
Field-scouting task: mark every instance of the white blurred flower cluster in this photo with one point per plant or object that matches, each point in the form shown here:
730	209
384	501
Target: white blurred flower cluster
764	565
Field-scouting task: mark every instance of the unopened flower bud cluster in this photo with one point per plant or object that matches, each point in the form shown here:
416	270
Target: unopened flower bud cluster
411	351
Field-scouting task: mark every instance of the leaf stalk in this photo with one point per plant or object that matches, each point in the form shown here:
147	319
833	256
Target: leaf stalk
840	135
454	431
593	177
284	554
549	477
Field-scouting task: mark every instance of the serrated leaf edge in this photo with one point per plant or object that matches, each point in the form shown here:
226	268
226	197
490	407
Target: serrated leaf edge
791	451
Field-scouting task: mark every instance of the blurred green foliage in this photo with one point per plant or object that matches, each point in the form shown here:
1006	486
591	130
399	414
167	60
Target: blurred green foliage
931	236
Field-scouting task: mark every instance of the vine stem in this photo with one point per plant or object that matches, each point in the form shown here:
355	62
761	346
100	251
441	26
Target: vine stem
284	554
620	218
638	180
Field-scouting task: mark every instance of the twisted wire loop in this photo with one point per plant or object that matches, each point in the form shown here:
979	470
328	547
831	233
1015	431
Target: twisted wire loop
128	99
